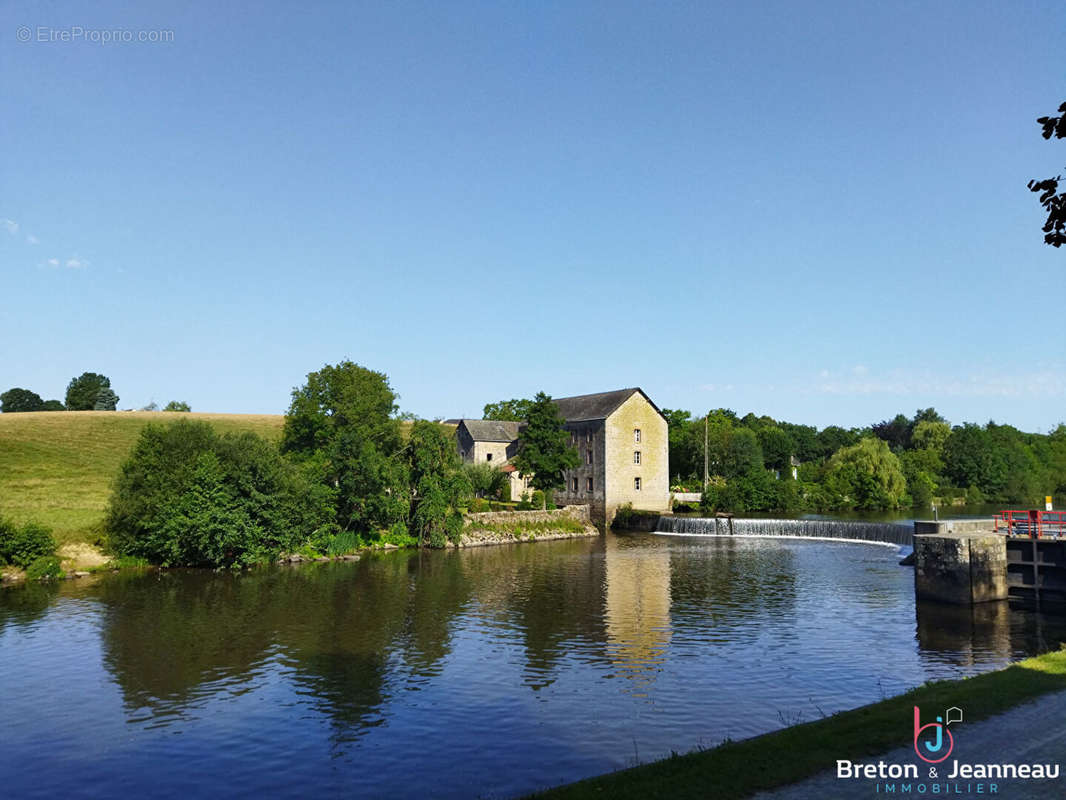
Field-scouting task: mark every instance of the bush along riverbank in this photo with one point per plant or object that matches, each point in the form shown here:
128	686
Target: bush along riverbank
741	769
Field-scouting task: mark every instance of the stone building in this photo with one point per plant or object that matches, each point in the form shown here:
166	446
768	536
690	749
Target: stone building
495	442
621	437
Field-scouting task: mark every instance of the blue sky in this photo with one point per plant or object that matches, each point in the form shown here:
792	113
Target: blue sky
815	211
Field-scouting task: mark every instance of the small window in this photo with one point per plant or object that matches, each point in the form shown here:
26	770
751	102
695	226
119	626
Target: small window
588	456
573	485
636	435
636	484
488	456
588	484
636	456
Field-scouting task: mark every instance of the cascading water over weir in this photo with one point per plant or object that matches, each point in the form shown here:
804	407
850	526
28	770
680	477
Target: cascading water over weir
838	530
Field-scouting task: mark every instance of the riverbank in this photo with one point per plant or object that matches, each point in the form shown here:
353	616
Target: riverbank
741	769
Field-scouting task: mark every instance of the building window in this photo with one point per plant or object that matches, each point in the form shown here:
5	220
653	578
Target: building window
636	435
588	456
573	485
636	456
488	456
636	484
588	484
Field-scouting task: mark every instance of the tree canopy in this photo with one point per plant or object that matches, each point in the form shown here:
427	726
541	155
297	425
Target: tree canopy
177	405
106	400
544	450
1053	201
84	391
18	400
513	410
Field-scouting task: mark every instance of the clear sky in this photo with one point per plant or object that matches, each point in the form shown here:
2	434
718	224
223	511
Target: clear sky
814	210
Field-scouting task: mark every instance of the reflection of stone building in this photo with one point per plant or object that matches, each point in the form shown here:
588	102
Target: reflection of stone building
621	437
638	606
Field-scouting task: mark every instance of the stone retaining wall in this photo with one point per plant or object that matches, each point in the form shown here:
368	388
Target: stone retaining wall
476	536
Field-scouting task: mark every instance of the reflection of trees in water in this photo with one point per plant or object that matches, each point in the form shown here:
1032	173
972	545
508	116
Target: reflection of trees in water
348	634
727	588
167	635
550	593
22	605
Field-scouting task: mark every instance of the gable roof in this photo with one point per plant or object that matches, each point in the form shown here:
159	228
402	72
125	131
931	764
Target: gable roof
491	430
597	406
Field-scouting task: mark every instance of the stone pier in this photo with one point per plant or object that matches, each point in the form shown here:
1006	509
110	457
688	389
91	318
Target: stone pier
960	562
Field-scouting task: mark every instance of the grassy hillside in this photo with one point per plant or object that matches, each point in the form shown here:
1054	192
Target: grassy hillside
57	467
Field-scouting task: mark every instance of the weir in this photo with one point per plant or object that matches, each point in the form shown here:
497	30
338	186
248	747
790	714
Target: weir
882	532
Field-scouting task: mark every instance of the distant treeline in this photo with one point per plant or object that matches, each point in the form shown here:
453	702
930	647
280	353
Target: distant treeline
761	464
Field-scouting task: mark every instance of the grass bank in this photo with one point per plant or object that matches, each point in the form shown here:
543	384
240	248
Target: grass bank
56	467
739	769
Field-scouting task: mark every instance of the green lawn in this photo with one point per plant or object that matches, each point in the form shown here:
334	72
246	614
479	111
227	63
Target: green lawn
57	467
740	769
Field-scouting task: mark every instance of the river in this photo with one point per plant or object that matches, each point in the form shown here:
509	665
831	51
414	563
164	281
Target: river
488	672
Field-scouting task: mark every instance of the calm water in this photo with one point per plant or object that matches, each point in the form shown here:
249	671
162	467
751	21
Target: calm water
489	672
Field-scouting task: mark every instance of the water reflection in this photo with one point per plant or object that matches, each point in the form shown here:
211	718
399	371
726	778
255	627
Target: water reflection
637	613
576	651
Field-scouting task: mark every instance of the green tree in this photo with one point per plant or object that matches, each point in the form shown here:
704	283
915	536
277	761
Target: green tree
833	437
544	451
83	391
19	400
341	425
931	436
54	405
514	410
106	400
486	480
1053	201
441	486
866	475
177	405
188	496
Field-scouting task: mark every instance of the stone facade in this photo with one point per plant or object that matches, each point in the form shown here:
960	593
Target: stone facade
623	442
960	568
495	444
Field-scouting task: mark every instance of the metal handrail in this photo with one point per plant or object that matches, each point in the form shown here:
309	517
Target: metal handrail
1031	523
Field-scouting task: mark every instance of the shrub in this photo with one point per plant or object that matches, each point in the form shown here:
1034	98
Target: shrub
190	497
23	545
343	543
44	567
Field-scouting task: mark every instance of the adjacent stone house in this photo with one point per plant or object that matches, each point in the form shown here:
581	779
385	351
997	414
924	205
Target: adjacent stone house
495	442
621	437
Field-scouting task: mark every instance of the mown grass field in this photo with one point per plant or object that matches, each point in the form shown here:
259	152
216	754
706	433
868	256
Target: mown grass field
57	467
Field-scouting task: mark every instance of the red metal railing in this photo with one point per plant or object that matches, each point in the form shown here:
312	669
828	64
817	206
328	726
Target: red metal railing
1032	523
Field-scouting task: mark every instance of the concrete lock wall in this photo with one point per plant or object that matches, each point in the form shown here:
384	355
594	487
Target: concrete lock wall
960	567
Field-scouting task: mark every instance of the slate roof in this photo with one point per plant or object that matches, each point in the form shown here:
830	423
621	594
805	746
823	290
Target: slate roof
596	406
491	430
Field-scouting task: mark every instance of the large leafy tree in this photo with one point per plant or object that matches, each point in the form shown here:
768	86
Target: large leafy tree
1053	201
544	450
83	391
866	475
341	426
514	410
106	400
15	400
440	485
